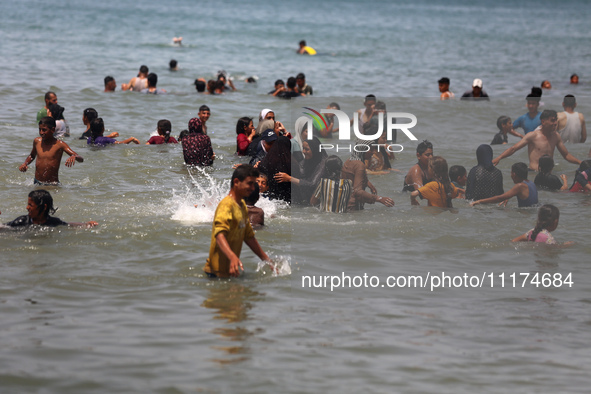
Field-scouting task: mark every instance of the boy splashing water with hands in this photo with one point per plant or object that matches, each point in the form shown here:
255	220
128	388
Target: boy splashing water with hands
231	227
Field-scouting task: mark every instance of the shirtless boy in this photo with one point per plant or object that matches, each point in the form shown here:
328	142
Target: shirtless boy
541	141
418	175
48	150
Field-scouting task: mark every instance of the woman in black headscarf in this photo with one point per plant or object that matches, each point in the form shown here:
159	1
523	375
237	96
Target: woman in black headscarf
311	170
278	160
484	180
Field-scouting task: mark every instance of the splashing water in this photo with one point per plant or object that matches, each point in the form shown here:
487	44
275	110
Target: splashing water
281	266
197	204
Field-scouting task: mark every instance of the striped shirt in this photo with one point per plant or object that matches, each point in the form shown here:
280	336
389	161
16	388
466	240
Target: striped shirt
334	195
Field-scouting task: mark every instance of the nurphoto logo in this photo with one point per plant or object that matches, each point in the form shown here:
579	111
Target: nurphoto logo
316	120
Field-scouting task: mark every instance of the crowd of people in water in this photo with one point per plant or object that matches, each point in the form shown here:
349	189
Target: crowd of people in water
292	167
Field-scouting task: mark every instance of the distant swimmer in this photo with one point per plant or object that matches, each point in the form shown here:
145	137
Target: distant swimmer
574	79
546	85
152	82
110	84
39	206
477	93
139	83
177	41
446	94
305	50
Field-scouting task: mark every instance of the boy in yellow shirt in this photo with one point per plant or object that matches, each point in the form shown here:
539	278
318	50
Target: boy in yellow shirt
231	227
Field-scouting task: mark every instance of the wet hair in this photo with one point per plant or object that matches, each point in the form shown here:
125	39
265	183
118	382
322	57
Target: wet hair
251	80
152	80
279	81
456	171
334	105
48	95
211	84
165	126
520	169
144	69
242	124
183	134
585	165
303	42
369	97
441	174
97	128
90	114
300	76
532	97
57	111
333	166
108	79
501	120
535	92
547	215
254	196
243	171
48	121
380	105
291	82
172	63
547	114
199	85
204	108
545	164
573	75
569	101
423	146
43	198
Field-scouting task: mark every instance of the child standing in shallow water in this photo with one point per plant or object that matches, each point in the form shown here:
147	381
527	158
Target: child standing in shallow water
548	216
48	151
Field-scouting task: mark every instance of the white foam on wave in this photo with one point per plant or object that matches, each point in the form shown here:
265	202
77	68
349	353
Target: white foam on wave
198	202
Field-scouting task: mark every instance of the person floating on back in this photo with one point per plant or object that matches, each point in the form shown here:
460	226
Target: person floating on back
548	216
40	206
524	189
48	151
231	227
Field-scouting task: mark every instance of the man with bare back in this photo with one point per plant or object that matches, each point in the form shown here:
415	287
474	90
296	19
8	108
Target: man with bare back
541	141
48	151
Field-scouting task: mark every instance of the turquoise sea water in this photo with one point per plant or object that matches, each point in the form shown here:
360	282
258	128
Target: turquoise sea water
125	307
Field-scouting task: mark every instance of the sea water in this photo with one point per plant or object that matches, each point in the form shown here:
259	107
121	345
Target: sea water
124	307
